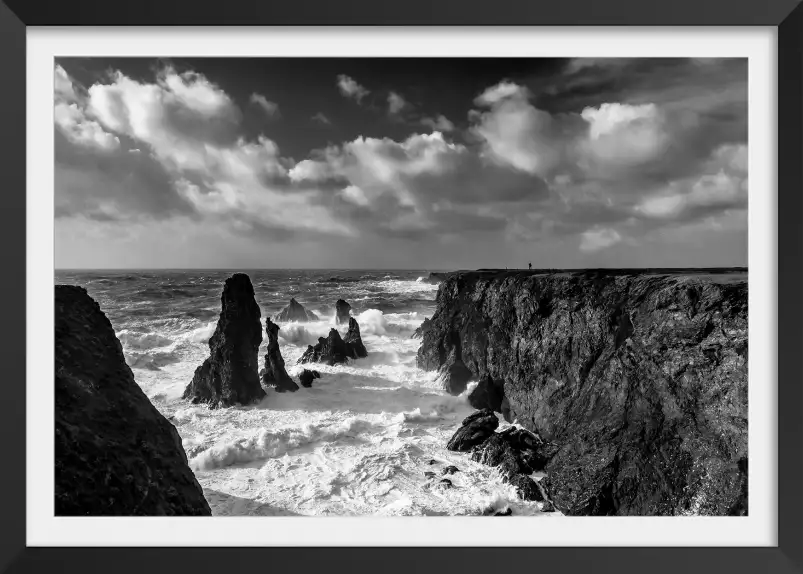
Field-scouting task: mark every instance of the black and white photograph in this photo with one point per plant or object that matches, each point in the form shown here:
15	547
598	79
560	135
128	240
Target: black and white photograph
401	287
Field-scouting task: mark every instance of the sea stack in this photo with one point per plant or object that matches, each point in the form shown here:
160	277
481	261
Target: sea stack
115	454
334	349
354	341
275	374
295	312
229	376
343	312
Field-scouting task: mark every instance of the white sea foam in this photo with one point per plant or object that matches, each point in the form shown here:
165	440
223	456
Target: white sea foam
142	341
358	442
202	334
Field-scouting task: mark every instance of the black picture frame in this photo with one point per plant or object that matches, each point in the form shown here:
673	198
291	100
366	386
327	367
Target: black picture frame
787	15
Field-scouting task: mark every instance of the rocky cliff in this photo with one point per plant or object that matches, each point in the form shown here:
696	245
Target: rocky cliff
115	454
638	376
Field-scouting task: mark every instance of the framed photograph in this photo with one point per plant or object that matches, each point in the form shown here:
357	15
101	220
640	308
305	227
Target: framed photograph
422	288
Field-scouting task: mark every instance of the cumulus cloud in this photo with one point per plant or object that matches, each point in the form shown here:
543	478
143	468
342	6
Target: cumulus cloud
396	103
625	134
350	88
593	172
440	123
599	238
70	117
321	118
270	108
424	183
73	123
189	125
515	132
63	87
724	187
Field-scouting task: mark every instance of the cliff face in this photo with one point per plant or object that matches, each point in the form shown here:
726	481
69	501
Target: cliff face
115	453
639	377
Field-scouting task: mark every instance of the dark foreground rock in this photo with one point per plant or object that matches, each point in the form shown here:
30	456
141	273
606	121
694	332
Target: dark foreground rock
334	349
638	376
274	374
342	312
230	375
306	377
295	312
115	454
476	428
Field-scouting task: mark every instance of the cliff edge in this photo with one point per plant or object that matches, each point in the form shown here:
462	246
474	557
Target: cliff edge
638	376
115	453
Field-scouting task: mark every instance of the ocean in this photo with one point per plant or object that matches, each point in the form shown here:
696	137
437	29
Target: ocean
358	442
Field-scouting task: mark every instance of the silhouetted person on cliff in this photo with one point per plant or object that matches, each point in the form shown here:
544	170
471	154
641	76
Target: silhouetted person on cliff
531	266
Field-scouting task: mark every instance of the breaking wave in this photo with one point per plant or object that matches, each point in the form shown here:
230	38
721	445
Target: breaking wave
272	444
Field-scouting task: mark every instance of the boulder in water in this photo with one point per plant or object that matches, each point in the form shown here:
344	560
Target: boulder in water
275	374
306	377
343	312
295	312
229	376
476	428
115	454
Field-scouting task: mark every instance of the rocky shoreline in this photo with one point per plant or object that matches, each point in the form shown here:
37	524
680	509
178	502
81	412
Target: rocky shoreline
638	377
628	390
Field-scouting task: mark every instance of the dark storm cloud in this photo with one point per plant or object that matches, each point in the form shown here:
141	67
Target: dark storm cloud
125	183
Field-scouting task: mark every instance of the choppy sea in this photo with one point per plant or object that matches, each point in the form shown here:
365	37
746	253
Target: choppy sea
357	443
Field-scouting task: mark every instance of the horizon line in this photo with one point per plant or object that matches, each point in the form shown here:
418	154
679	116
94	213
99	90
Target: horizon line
431	269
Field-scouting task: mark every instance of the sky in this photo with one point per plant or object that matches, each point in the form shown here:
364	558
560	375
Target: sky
400	163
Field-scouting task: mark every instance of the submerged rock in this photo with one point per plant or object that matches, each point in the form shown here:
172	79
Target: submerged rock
429	474
274	374
295	312
445	483
306	377
506	512
640	377
476	428
115	454
451	469
343	312
229	376
354	341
